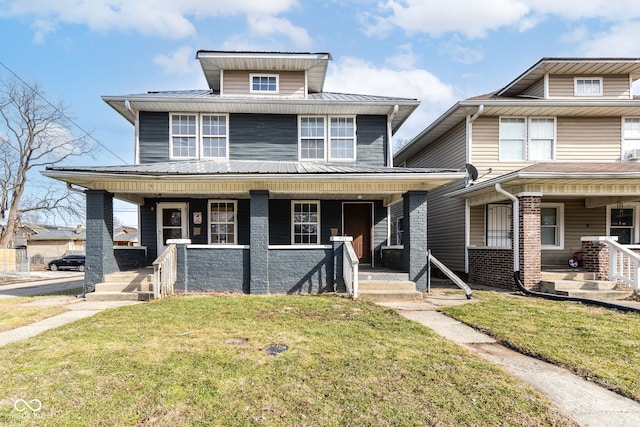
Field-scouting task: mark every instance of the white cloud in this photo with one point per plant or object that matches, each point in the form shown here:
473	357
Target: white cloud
353	75
261	26
180	61
618	40
165	18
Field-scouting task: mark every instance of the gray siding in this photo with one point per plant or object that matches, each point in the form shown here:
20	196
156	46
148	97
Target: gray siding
263	137
535	90
306	271
372	138
380	230
446	230
154	137
447	152
218	270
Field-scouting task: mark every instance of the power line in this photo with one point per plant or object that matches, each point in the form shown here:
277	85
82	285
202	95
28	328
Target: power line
63	114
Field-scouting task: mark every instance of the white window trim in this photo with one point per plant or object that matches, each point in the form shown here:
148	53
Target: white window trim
355	139
526	142
399	230
235	221
171	136
270	92
560	225
636	215
508	226
327	138
553	143
318	233
575	86
625	153
202	136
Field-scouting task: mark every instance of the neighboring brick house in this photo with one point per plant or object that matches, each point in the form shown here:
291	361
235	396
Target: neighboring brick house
259	171
564	139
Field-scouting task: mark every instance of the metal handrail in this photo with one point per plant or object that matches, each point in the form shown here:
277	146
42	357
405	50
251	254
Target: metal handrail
165	272
450	274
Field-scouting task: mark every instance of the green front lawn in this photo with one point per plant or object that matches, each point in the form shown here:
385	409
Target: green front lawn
600	344
201	361
21	311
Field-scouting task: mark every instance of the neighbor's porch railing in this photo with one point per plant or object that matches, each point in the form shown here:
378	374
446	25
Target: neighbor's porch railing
350	269
165	272
624	265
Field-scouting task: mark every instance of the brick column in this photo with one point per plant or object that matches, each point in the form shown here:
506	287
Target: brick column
415	237
530	239
595	256
259	241
99	246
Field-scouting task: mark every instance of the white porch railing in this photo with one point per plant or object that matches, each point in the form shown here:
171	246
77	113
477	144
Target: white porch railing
350	269
165	272
624	265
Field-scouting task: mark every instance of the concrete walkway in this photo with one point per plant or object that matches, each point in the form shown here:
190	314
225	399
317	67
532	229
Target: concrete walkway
78	309
585	402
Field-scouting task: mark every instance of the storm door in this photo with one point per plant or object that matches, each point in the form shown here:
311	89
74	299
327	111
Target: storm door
172	223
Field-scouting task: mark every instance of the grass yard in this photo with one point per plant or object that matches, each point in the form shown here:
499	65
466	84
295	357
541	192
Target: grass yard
200	361
20	311
599	344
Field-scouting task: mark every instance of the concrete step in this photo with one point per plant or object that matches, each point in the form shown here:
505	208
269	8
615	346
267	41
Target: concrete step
128	276
386	285
390	295
382	275
135	286
119	296
569	285
596	295
567	275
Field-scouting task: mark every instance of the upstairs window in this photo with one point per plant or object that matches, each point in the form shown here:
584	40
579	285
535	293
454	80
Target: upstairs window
587	86
340	145
522	140
183	136
631	138
203	136
264	83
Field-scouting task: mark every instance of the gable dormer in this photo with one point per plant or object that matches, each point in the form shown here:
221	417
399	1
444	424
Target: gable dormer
579	79
264	74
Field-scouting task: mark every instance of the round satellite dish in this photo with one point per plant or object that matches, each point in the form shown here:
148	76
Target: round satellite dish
471	171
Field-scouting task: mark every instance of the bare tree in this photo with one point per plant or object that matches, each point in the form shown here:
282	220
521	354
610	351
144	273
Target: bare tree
34	133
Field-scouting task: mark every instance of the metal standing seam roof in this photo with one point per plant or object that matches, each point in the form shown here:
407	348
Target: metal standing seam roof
245	167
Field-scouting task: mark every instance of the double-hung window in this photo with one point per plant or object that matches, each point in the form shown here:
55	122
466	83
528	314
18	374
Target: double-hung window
184	137
552	225
306	222
222	222
631	138
527	140
199	136
264	83
590	86
331	138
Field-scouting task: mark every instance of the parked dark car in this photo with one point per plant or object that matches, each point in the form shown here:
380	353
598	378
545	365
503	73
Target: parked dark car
75	262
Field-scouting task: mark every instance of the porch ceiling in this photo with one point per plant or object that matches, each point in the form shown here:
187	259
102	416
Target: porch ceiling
370	186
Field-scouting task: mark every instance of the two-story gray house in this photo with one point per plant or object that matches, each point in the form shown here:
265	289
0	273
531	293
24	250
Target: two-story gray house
259	175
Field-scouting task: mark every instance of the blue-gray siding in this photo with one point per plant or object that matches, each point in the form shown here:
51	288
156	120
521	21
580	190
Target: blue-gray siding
300	271
372	138
154	137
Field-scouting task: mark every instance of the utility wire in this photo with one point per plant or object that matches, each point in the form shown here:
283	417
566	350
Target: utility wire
63	114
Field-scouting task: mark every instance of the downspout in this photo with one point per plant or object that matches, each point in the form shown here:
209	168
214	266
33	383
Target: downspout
390	136
516	265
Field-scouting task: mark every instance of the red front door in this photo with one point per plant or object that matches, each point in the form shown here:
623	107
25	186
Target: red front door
357	223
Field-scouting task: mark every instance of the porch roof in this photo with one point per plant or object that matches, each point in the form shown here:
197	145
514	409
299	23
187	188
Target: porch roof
598	183
235	178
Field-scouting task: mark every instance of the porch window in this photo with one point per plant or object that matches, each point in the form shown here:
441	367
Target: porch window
222	222
512	139
498	225
312	138
400	231
306	222
214	136
342	142
542	137
183	136
551	226
264	83
622	224
587	86
631	138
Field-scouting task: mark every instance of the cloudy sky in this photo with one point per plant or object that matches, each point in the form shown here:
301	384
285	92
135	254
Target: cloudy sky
433	50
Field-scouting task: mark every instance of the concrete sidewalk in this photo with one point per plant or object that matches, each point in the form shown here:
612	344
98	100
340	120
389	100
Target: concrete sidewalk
78	309
583	401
